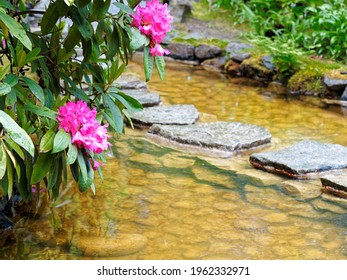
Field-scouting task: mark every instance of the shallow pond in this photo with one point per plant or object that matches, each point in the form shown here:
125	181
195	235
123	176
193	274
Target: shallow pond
160	203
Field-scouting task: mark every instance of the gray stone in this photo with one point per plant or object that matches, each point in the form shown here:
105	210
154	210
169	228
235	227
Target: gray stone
337	84
240	56
235	47
214	64
169	114
205	51
130	81
144	96
277	88
119	245
224	136
268	62
335	184
306	159
181	51
344	95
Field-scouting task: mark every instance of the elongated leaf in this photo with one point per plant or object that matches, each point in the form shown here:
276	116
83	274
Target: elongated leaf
23	185
72	38
41	167
13	159
99	9
10	178
129	102
114	44
124	8
147	63
11	79
115	113
4	89
41	111
32	55
16	29
16	133
160	65
4	70
2	162
6	4
53	175
35	89
61	141
71	154
138	40
14	146
81	22
47	141
50	18
84	181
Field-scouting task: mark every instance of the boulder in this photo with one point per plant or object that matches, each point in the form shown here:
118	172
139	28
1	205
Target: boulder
223	136
130	81
235	47
305	160
335	81
239	57
214	64
344	95
267	61
205	51
277	88
119	245
144	96
181	51
168	114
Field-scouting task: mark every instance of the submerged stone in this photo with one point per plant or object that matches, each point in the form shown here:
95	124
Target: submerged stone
167	115
335	184
306	159
224	136
120	245
144	96
130	81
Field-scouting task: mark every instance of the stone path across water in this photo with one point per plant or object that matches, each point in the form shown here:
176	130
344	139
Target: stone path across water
144	96
306	159
228	137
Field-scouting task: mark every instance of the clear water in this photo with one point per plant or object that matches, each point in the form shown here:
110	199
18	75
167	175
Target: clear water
160	203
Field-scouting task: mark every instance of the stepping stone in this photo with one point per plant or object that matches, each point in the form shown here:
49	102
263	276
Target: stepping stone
306	159
169	114
144	96
130	81
335	184
222	136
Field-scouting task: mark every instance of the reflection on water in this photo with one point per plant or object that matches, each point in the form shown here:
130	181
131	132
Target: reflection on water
158	203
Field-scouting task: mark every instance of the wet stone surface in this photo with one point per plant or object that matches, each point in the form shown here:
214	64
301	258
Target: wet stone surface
170	114
306	159
131	81
335	184
229	137
144	96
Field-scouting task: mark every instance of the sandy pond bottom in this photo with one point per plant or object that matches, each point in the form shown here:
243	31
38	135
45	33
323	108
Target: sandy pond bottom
158	203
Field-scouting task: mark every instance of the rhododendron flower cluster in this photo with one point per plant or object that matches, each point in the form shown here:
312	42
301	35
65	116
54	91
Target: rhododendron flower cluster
86	132
153	20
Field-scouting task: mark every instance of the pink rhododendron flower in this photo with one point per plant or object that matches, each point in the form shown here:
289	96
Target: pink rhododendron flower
153	20
80	121
158	50
96	164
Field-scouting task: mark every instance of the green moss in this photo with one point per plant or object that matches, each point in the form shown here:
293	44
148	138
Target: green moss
196	42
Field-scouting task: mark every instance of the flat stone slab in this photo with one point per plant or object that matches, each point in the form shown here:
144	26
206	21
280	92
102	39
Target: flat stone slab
144	96
130	81
222	136
335	184
306	159
169	114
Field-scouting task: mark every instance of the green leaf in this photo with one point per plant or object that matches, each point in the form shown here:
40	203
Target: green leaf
47	141
41	167
113	47
72	38
6	4
148	63
53	175
10	178
2	161
71	154
16	29
124	8
21	55
99	9
81	22
61	141
160	65
4	70
11	79
35	89
32	55
16	133
138	39
14	147
41	111
129	102
84	179
50	18
115	113
5	88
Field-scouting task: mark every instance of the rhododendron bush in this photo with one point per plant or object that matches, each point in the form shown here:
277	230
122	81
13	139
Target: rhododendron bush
58	110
